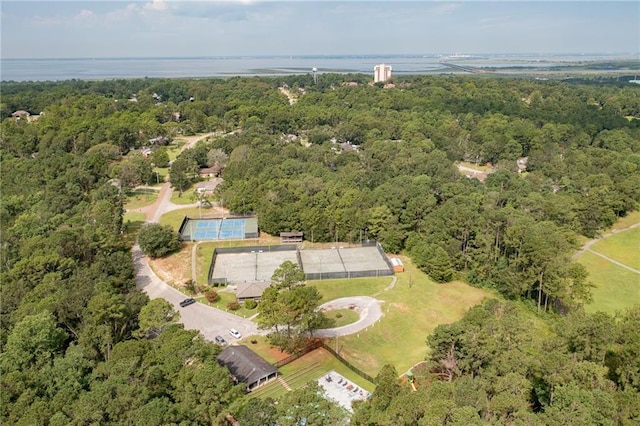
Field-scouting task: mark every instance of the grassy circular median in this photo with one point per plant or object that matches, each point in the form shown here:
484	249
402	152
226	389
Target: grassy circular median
343	316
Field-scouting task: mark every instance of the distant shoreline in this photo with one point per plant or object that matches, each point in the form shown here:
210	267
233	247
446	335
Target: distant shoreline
91	69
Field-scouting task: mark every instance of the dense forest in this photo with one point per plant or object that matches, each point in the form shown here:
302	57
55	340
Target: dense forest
342	162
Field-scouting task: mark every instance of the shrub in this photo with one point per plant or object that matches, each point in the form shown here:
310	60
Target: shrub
190	285
250	304
211	295
338	315
233	306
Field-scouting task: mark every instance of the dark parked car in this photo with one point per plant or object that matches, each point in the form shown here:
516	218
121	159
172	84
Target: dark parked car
220	340
187	302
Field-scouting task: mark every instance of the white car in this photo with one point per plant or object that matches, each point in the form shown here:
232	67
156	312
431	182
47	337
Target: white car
235	333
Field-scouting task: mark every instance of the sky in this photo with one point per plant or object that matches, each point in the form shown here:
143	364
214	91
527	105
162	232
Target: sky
167	28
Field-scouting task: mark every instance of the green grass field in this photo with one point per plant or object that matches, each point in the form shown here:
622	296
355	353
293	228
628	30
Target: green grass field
615	289
174	218
335	289
478	167
630	219
185	198
340	317
623	247
411	311
140	198
174	148
132	223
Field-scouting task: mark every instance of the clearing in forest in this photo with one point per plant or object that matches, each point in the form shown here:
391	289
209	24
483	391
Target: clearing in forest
411	311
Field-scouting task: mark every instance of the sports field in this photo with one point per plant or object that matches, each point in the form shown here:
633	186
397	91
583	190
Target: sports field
259	263
615	288
623	247
256	265
613	264
218	229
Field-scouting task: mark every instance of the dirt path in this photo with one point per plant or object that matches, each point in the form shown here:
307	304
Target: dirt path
287	93
394	279
192	140
588	244
614	261
473	173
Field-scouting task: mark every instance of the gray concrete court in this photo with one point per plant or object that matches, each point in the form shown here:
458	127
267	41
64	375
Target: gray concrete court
259	265
362	259
268	262
340	390
250	267
321	261
236	267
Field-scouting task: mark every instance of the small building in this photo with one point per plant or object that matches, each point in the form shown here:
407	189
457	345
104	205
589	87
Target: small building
20	114
209	172
291	237
397	264
251	291
247	366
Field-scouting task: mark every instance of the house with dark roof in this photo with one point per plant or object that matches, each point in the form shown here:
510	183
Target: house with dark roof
251	291
247	366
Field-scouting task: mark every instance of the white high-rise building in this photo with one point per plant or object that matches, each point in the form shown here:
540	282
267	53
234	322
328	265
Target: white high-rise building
381	73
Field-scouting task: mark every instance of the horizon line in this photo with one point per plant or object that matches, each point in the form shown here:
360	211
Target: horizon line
331	55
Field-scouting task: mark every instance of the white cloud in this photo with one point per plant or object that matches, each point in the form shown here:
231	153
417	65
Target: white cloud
156	5
123	14
445	8
85	14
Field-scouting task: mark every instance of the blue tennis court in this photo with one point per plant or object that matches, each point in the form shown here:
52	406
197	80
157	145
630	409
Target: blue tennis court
207	224
232	228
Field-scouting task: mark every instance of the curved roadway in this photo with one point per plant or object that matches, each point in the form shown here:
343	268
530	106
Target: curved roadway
368	308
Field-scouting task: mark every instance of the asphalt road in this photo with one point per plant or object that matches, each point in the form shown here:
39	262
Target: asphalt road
209	321
368	308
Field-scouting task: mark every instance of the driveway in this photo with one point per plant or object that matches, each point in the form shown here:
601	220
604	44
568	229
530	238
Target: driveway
368	308
209	321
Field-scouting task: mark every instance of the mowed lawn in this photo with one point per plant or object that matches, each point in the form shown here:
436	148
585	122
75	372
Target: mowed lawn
411	311
615	289
623	247
309	367
141	197
174	218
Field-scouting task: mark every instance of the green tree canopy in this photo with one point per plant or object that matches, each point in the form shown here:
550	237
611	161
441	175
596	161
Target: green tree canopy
158	240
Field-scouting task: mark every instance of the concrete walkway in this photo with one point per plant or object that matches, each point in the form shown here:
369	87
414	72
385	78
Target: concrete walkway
369	309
